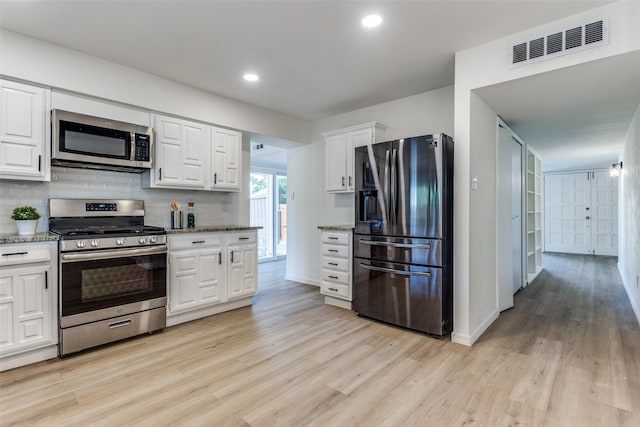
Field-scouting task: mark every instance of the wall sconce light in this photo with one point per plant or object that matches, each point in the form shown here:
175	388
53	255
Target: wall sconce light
615	169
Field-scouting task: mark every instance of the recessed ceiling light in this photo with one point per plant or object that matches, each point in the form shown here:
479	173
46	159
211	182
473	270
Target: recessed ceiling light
371	21
250	77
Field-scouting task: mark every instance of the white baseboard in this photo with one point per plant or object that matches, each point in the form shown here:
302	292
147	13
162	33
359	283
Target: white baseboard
627	288
304	280
468	340
29	357
187	316
337	302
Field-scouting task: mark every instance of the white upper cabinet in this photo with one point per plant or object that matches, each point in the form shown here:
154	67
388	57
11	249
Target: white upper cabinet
180	154
25	128
339	154
226	160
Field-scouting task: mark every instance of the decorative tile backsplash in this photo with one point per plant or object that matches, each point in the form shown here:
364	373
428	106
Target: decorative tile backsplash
212	208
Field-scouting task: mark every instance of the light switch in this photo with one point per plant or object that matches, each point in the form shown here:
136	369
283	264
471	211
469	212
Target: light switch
474	182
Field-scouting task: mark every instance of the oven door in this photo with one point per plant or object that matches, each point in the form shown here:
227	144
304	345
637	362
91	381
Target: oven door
101	284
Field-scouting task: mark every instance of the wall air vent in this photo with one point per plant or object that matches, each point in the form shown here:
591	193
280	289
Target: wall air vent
562	41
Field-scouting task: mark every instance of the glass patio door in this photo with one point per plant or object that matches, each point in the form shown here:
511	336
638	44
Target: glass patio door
268	209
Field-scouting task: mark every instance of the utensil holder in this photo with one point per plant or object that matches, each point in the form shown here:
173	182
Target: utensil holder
176	220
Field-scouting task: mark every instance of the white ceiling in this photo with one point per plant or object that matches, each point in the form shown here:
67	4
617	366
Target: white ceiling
315	60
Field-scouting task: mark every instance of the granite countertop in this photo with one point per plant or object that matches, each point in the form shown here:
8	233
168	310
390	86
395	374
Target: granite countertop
211	228
340	227
7	238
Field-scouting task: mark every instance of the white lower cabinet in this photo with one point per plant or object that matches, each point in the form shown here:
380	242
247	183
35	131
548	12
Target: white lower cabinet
28	294
336	268
209	273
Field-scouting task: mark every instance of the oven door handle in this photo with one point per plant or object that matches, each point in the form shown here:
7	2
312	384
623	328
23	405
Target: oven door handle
95	255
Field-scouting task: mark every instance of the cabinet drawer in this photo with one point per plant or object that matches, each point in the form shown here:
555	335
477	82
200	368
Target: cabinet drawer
338	264
25	253
336	289
335	251
335	276
242	237
336	238
194	241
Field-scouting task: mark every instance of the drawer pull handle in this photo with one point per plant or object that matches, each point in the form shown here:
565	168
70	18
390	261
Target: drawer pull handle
335	264
243	238
333	250
15	253
333	238
397	245
333	289
333	277
119	324
197	241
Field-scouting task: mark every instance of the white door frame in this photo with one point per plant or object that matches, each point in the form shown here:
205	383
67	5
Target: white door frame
505	138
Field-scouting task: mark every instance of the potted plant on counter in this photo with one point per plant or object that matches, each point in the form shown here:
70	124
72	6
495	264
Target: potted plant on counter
26	218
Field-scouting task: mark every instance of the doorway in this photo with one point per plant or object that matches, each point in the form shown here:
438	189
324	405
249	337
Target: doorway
510	228
268	209
581	213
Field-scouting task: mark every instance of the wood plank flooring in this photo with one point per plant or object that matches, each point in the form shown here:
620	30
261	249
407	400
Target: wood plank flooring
568	354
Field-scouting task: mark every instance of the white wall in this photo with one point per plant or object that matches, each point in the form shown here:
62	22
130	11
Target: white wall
36	61
629	214
420	114
481	66
96	85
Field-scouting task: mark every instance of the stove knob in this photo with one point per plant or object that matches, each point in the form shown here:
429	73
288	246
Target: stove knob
141	241
153	239
119	241
95	243
80	244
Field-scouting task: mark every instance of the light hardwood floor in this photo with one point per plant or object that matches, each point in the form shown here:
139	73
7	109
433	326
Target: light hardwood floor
568	354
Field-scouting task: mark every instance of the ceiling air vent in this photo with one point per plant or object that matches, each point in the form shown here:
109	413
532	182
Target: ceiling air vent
559	42
593	32
519	53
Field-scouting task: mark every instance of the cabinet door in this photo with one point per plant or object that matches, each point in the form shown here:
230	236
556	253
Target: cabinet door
356	138
168	168
184	290
180	153
210	276
242	267
26	303
24	132
336	163
226	160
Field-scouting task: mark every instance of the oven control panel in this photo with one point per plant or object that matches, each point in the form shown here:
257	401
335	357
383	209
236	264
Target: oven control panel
111	243
101	207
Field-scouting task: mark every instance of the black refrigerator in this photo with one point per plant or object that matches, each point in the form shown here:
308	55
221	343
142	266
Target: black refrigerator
403	237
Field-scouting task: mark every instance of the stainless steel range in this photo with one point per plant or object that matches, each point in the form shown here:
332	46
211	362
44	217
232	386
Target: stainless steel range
112	271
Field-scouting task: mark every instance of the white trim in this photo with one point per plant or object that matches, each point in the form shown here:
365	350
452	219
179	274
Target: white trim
29	357
176	319
468	340
303	280
337	302
634	305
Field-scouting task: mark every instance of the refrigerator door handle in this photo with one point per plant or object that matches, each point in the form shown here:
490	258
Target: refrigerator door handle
391	270
393	217
397	245
386	195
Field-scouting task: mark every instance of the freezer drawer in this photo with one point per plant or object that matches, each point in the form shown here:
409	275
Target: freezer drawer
404	295
406	250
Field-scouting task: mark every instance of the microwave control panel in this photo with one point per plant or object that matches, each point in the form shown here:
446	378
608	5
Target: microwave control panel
143	147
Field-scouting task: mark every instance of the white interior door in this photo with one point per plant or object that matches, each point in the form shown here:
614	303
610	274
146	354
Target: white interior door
567	213
505	253
604	213
516	213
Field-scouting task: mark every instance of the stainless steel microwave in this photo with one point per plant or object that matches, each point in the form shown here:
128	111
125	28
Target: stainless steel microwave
96	143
